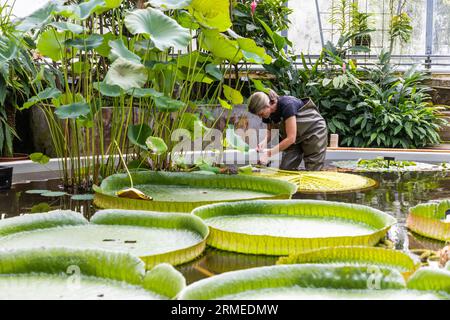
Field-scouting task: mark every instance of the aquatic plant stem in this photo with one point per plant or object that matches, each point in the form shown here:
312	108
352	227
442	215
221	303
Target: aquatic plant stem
124	164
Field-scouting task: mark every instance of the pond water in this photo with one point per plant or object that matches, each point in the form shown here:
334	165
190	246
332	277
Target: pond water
395	194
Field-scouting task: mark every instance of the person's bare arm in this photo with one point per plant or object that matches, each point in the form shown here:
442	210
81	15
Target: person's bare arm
263	144
291	136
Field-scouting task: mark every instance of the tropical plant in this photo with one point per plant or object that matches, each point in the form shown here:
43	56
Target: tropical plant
266	24
133	232
47	273
374	106
19	77
143	66
288	227
347	19
400	28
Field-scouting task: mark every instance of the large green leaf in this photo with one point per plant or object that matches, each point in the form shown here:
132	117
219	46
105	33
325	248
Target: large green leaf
212	14
138	134
355	255
144	93
194	75
252	53
289	227
73	110
85	9
85	43
214	70
68	273
233	95
186	191
107	89
221	46
164	31
156	145
138	233
109	5
301	282
8	52
166	104
234	141
193	123
118	50
104	49
169	4
49	93
186	20
225	104
40	17
67	26
126	74
52	44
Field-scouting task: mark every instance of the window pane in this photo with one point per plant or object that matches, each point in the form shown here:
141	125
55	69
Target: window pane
441	41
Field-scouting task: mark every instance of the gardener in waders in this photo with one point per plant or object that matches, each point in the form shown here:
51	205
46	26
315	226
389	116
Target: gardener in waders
303	130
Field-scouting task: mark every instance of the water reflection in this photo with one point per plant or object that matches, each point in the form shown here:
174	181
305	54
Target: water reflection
395	194
16	201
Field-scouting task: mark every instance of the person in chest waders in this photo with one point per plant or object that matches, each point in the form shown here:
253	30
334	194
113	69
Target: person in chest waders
303	131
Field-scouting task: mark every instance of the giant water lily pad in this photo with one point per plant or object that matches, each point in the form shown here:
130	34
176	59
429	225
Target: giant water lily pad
431	279
182	192
305	282
76	274
356	256
288	227
173	238
429	220
321	181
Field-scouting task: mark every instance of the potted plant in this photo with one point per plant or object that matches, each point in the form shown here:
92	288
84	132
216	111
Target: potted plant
360	27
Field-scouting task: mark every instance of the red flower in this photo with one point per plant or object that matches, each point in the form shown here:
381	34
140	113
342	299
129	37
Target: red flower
344	67
253	6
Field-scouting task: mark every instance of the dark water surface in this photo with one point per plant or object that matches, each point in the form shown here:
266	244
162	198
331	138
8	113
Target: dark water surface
395	194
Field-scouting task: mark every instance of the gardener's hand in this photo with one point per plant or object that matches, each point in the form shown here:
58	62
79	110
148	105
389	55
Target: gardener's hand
264	157
260	147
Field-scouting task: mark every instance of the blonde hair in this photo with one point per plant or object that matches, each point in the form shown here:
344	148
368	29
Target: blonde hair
259	100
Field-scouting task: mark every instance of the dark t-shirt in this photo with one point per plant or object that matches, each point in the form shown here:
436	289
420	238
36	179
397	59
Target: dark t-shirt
288	106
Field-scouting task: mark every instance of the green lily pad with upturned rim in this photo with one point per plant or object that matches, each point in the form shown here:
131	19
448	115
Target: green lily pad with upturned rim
273	227
68	273
307	282
154	237
182	192
427	219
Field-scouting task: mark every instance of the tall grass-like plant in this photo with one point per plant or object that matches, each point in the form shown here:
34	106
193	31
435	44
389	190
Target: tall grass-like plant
19	76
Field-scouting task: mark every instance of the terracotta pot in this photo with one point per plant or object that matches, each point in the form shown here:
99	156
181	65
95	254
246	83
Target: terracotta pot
16	157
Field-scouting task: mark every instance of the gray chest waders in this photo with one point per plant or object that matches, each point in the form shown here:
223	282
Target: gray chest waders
311	142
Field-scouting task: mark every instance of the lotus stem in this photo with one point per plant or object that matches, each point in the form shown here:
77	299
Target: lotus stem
124	164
